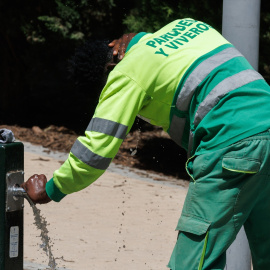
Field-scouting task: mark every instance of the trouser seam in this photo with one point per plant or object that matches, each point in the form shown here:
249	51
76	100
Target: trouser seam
236	205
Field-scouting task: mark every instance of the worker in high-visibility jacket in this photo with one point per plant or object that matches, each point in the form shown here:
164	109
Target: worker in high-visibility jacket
192	82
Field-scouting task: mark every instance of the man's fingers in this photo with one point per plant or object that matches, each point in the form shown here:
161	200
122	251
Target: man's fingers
120	45
42	177
35	188
112	43
115	45
116	48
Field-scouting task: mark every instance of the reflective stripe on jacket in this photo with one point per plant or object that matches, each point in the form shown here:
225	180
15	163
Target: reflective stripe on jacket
196	75
185	78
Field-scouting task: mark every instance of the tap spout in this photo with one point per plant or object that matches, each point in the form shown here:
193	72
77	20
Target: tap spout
20	192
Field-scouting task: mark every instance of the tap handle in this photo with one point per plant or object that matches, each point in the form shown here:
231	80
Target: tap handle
20	192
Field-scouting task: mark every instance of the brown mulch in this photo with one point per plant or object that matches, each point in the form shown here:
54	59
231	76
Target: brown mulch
152	151
53	137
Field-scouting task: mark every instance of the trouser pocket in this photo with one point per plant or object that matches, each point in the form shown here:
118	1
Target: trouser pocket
240	164
191	244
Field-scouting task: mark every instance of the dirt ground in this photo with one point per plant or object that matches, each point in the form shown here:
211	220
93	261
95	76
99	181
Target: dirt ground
120	221
125	220
116	223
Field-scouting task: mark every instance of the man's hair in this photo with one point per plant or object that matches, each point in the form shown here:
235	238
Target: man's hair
87	66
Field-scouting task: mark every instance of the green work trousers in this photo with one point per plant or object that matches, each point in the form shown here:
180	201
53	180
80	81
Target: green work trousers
230	188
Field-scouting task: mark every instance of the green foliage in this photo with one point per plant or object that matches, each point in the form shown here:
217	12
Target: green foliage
68	19
36	41
149	16
38	37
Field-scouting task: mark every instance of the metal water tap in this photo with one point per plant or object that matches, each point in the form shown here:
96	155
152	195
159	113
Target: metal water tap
20	192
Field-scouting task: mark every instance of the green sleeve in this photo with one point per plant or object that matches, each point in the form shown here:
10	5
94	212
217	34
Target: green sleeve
53	191
120	102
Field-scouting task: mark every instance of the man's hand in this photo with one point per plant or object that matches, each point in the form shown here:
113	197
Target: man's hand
35	188
120	45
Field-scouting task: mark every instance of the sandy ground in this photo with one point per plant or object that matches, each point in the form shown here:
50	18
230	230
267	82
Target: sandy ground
119	222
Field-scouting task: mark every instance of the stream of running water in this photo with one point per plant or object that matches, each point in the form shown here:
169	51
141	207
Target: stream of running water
41	225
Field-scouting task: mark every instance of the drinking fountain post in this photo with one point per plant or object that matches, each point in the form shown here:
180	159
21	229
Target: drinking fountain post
11	207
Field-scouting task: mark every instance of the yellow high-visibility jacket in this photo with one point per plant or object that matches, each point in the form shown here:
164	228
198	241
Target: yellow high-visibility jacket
185	78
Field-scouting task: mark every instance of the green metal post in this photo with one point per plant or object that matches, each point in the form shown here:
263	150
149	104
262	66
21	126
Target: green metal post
11	218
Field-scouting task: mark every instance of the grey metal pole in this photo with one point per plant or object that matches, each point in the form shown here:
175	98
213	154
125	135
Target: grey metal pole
238	254
241	25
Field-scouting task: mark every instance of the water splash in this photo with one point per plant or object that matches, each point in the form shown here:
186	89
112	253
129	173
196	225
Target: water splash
133	152
41	224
